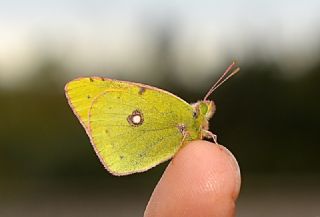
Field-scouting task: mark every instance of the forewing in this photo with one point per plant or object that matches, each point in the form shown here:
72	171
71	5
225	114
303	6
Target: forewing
125	148
81	92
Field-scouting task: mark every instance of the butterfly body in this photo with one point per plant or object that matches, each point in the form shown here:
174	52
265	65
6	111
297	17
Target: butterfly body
133	126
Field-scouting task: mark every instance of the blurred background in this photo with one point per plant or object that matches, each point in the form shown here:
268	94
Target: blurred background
267	115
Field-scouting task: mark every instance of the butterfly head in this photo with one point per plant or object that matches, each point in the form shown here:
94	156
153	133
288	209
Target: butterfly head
203	111
206	109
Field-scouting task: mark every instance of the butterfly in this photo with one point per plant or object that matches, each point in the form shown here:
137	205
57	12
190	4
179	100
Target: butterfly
132	126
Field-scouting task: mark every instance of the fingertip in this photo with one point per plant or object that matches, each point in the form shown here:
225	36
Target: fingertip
202	179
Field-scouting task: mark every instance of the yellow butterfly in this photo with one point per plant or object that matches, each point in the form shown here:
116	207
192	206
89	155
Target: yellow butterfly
133	127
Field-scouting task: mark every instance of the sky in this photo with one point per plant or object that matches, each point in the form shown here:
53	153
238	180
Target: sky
92	36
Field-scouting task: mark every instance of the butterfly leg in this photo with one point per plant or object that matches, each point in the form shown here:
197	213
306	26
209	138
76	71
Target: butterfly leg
208	134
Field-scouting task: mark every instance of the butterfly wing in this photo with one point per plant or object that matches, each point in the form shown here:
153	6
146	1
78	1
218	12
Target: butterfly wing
82	91
125	147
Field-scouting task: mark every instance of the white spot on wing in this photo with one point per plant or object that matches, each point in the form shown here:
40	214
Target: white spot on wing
136	119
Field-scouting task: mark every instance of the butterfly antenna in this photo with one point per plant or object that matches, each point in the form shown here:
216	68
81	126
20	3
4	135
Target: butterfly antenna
224	77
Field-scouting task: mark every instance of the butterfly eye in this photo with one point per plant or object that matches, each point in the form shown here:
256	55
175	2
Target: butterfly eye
195	113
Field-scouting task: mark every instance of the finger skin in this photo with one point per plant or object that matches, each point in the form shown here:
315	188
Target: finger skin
203	180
